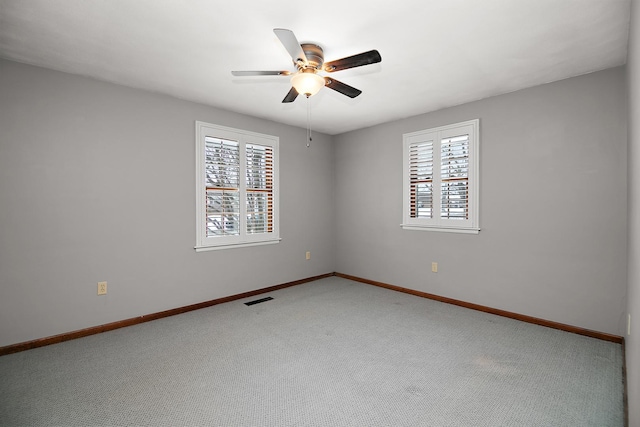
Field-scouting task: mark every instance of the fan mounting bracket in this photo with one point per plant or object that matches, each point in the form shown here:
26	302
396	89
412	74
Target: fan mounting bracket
315	57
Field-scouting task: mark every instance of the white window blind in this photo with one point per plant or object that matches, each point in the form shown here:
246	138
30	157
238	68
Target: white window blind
259	189
222	175
441	178
454	175
237	187
421	172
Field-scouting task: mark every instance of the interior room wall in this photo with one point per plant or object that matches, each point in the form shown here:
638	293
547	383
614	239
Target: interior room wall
633	340
97	183
553	205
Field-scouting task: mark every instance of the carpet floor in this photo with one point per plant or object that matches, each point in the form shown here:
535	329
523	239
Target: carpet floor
327	353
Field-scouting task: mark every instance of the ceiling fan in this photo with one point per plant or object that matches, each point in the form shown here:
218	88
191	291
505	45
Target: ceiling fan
309	60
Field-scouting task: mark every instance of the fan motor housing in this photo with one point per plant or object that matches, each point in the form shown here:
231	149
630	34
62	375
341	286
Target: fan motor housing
314	54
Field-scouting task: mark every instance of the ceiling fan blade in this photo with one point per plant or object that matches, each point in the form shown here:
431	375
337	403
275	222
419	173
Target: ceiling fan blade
260	73
291	96
291	43
344	89
365	58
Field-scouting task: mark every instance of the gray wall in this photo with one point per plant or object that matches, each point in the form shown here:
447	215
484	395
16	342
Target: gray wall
633	341
97	183
553	209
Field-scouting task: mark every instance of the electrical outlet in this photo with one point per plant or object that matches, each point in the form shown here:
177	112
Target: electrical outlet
434	267
308	255
102	288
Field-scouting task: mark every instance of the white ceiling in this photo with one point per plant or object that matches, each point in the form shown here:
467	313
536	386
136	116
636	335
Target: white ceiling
435	53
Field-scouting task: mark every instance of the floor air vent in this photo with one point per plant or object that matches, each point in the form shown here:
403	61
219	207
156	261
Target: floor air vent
258	301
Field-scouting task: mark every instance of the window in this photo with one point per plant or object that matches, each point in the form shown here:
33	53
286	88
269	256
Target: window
236	188
440	185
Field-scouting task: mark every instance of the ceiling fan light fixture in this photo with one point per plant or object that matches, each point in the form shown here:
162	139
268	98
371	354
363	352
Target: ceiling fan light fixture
309	59
307	83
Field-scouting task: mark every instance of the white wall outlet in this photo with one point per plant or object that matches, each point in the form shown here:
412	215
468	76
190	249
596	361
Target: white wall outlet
434	267
308	255
102	288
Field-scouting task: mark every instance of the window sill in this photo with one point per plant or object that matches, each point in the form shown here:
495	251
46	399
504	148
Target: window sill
236	245
441	229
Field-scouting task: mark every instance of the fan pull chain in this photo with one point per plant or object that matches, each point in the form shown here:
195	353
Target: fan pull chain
308	122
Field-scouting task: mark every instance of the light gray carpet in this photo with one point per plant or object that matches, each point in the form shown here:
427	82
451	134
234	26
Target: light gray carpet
327	353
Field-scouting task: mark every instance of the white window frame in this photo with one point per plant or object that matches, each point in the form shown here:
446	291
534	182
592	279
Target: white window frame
436	135
244	239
